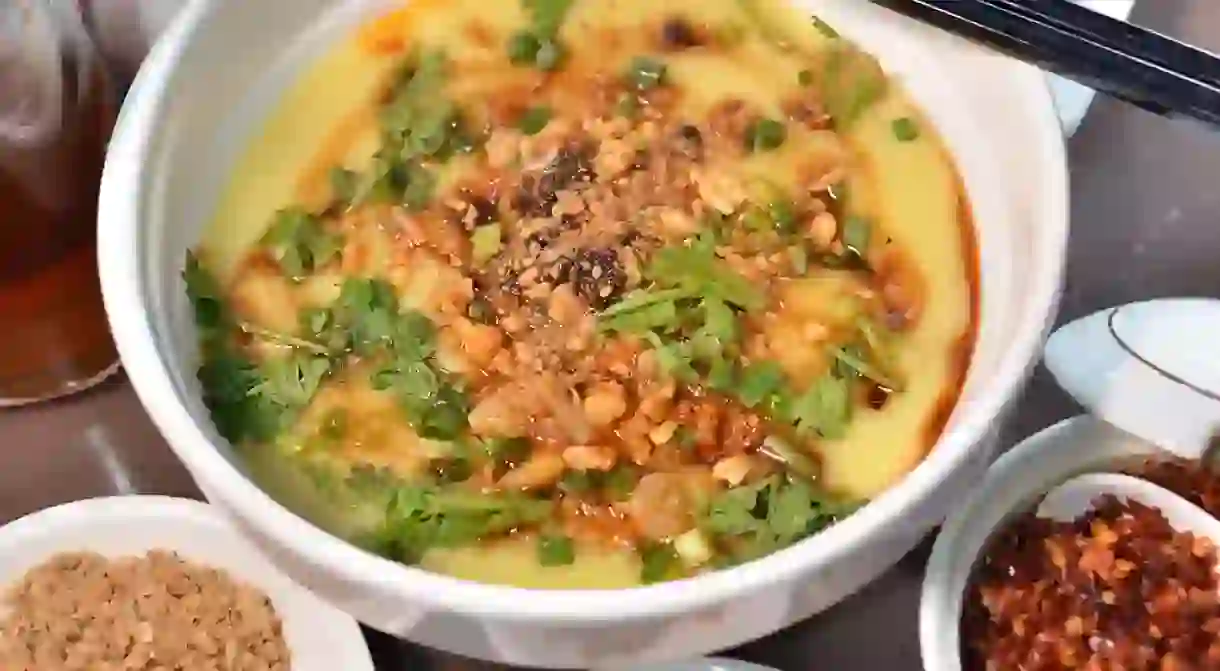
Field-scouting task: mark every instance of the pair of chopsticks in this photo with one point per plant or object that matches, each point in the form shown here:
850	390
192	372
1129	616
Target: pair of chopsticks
1142	67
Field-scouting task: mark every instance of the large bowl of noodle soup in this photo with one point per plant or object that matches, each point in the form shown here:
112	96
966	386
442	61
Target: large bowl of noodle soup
572	333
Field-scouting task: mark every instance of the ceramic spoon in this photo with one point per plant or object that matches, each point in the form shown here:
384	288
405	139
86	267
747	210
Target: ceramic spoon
1075	497
1151	369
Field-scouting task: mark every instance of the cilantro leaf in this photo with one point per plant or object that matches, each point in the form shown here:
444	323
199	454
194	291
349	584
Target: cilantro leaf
421	517
555	550
226	376
546	16
658	562
696	270
292	380
757	518
825	407
759	381
299	242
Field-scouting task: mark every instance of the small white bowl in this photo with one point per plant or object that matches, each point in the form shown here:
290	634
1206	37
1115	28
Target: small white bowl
1013	485
320	637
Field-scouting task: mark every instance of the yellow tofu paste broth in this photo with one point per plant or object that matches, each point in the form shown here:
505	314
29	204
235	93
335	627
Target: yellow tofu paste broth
343	451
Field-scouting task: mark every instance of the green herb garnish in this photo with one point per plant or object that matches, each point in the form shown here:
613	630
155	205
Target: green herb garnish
905	129
534	119
804	77
226	375
299	242
758	518
853	81
658	562
422	517
824	408
765	135
758	382
824	28
538	45
555	550
646	73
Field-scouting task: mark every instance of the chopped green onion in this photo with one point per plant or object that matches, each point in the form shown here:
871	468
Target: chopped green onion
905	129
824	28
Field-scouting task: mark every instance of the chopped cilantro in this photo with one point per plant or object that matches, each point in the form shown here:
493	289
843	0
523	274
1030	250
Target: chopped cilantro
658	562
620	481
546	16
764	516
538	45
673	357
534	119
291	380
825	407
299	242
226	375
696	270
523	47
344	184
645	73
556	550
759	381
550	55
421	517
766	135
853	81
508	450
851	362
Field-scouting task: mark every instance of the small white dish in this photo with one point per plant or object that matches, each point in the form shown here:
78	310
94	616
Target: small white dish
1072	100
1013	485
1077	496
320	637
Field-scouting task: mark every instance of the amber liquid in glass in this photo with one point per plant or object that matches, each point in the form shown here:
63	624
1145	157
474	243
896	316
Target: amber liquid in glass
54	338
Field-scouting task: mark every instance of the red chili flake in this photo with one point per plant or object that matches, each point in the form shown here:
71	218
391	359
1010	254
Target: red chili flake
1118	588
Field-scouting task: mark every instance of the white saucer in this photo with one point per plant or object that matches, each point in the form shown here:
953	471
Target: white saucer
320	637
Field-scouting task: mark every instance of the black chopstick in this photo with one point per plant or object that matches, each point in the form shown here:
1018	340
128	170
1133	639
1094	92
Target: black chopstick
1139	42
1127	62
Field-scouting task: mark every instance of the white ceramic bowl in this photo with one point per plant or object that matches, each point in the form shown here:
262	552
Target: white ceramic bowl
185	121
320	637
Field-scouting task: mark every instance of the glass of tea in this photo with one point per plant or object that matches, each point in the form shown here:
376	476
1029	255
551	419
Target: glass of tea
57	109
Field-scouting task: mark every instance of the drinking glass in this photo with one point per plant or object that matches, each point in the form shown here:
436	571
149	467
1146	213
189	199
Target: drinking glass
57	109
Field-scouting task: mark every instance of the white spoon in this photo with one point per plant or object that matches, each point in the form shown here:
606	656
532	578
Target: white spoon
1148	368
1077	496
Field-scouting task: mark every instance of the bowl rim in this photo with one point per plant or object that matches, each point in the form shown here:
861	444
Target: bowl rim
121	208
57	521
